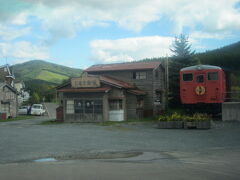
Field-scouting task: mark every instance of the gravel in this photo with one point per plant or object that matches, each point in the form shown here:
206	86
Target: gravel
27	140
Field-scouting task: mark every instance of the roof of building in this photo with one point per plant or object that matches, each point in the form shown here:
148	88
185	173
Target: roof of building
104	89
123	66
105	80
115	82
10	73
200	67
137	92
3	84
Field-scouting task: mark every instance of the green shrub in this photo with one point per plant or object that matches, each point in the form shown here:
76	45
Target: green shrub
174	117
179	117
200	117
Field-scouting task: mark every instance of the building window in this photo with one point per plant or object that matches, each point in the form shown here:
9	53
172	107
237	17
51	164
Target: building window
70	107
89	106
213	76
78	106
115	104
140	102
139	75
158	94
82	106
187	77
98	106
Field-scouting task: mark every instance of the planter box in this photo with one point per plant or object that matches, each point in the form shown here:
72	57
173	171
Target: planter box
170	124
197	125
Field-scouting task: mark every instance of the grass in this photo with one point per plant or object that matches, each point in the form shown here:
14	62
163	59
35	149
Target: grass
51	76
18	118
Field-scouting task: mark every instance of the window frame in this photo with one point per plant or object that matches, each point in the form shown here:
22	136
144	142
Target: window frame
215	72
70	106
140	75
115	104
200	75
187	74
95	106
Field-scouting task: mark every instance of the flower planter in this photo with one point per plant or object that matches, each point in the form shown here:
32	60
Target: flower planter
170	124
197	125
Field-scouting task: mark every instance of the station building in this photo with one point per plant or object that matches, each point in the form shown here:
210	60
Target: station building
114	92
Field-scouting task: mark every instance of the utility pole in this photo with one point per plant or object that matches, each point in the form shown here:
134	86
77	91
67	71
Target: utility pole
166	82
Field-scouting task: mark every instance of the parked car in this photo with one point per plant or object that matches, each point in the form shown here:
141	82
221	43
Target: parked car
37	109
23	110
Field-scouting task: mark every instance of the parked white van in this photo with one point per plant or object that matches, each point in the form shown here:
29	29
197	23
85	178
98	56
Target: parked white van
37	109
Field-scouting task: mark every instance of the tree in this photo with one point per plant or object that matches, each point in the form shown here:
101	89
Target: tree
181	47
35	99
182	57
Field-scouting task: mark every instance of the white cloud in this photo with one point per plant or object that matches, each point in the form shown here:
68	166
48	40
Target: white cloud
134	14
211	35
23	50
20	19
205	19
63	19
8	33
129	49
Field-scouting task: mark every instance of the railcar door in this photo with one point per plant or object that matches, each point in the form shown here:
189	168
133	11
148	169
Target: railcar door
214	84
200	87
186	87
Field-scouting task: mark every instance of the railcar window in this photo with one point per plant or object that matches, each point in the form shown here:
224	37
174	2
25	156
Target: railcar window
200	78
187	77
213	76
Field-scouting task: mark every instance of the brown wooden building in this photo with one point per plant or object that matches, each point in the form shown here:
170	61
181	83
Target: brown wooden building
8	100
114	92
8	94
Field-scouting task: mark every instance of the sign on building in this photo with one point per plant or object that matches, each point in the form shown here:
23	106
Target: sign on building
85	81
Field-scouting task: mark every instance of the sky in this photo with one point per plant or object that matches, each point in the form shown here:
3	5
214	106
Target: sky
80	33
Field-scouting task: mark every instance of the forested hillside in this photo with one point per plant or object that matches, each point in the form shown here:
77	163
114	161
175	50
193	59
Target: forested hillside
45	71
227	57
41	77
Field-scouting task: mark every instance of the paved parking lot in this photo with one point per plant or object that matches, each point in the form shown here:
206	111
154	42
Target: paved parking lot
214	152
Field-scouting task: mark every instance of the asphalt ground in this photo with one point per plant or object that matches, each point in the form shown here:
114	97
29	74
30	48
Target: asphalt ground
126	151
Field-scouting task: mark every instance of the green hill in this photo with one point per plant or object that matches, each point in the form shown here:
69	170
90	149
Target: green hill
42	77
45	71
227	57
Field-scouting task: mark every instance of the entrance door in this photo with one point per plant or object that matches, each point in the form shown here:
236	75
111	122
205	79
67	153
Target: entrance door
88	110
6	109
116	112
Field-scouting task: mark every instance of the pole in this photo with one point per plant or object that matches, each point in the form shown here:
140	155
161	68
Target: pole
167	82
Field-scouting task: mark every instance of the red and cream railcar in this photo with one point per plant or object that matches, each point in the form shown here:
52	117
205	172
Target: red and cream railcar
202	84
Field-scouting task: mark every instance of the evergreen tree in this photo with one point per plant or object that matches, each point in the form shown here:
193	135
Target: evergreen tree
182	57
181	47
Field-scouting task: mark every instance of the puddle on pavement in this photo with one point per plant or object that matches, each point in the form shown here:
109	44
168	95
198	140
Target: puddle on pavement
98	155
45	160
110	156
